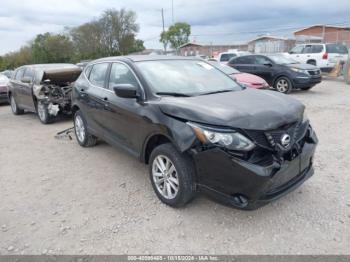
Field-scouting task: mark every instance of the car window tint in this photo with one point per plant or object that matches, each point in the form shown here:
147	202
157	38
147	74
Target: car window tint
243	60
336	48
98	74
313	49
121	74
19	74
297	50
261	60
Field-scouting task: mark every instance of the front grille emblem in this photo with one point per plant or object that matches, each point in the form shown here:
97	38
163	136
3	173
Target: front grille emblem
285	140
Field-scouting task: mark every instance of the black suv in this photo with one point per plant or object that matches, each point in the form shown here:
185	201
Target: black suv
196	128
279	71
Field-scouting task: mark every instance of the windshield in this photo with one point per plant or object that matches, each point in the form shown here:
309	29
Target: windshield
187	77
282	60
224	68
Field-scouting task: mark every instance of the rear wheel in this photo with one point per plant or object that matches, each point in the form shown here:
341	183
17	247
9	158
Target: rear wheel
83	136
311	62
172	175
43	114
14	107
283	85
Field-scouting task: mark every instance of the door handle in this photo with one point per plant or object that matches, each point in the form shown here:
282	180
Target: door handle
105	99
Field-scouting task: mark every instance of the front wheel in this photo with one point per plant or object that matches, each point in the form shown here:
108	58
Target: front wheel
43	113
172	175
14	107
283	85
85	139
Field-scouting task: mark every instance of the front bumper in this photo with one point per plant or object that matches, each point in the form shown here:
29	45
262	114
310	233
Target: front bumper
300	82
245	185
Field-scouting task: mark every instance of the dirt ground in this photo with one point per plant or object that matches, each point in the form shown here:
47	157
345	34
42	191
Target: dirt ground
59	198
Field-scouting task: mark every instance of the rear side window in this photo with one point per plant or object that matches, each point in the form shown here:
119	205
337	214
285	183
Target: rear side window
243	60
98	74
313	49
337	49
19	74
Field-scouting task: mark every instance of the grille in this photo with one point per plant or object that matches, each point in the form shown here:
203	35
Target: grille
314	72
296	132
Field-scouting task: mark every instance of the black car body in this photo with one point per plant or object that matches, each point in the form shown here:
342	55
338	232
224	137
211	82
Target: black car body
44	89
279	71
265	146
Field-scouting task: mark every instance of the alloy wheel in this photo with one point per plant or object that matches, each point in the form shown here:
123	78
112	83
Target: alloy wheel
79	128
282	86
165	177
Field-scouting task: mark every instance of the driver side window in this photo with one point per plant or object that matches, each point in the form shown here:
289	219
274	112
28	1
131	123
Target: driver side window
297	50
121	74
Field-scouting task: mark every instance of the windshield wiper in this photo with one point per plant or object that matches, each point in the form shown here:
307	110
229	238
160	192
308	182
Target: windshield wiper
218	91
172	94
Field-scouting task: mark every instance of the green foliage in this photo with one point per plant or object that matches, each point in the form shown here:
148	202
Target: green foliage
114	33
177	35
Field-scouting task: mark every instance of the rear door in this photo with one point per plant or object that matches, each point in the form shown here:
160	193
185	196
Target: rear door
16	86
90	96
27	89
244	64
312	54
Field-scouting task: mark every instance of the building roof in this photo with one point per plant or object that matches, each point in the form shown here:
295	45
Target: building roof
317	25
213	44
268	36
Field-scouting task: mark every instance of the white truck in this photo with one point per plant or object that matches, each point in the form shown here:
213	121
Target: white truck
324	56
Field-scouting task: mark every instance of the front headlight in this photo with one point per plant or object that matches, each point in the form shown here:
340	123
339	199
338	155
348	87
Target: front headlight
298	70
229	139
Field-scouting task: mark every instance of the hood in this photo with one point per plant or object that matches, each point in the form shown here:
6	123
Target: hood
247	109
250	79
303	66
61	75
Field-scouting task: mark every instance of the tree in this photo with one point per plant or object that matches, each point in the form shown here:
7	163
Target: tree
176	35
49	48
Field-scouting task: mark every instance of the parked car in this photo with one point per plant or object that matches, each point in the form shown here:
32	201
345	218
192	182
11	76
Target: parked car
3	89
196	128
245	79
224	57
324	56
279	71
7	73
43	89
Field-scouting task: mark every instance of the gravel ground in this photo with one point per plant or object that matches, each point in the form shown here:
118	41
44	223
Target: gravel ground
59	198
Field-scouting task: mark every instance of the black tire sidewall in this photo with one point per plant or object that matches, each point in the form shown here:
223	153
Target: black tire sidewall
185	171
290	86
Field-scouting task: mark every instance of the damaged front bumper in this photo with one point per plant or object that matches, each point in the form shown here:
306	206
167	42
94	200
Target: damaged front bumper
248	185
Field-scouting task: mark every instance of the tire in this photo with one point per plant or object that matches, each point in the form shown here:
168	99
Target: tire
283	85
181	169
84	138
14	107
306	88
43	114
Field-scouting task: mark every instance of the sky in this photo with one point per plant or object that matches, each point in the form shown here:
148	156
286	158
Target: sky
212	21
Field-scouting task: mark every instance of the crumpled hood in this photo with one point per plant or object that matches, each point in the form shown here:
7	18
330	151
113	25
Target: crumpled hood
247	109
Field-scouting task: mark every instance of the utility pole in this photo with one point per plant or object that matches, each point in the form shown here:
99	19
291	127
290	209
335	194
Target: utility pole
172	11
165	44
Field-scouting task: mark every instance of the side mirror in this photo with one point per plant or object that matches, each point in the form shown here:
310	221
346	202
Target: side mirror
26	80
126	91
